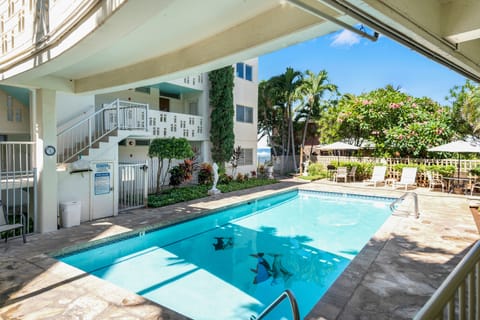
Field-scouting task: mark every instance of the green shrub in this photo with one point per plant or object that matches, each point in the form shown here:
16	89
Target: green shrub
224	178
176	195
315	169
176	176
205	174
475	171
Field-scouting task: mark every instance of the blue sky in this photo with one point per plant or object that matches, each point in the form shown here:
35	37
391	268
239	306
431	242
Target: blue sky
359	65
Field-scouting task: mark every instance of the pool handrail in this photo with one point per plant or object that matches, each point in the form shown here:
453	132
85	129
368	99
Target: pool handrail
285	294
402	197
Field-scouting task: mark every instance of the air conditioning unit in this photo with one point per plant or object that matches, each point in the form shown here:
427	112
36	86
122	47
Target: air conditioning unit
131	142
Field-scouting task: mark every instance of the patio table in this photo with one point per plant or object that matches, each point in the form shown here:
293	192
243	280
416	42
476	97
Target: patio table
457	182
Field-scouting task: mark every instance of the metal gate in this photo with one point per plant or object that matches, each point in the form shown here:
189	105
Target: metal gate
18	184
132	185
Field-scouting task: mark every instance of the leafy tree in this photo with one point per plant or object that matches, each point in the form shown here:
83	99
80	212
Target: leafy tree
168	149
269	114
466	108
398	124
221	101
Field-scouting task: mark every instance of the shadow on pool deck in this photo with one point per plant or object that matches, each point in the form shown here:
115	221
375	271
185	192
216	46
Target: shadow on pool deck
391	278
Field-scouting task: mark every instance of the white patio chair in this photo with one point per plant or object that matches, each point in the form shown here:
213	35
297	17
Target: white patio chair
341	174
351	174
378	176
408	178
434	182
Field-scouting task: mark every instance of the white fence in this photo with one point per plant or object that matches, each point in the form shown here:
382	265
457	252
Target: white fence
463	165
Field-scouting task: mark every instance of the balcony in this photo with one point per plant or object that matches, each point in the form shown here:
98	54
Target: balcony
163	124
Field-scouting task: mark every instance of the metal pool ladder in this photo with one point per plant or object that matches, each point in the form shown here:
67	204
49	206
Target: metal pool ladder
284	295
403	197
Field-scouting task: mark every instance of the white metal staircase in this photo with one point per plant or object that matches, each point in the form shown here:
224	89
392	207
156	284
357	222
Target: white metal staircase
116	119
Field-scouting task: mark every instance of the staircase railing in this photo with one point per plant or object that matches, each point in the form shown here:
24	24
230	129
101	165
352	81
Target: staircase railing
118	115
459	295
287	294
416	213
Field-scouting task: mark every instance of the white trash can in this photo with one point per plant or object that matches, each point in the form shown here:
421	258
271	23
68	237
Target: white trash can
71	212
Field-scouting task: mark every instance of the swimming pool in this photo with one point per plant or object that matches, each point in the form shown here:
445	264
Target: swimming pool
307	239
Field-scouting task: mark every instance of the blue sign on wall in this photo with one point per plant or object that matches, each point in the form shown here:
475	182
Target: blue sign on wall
102	183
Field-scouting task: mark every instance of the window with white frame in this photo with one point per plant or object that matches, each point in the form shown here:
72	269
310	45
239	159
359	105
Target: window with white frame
9	108
244	71
246	157
244	114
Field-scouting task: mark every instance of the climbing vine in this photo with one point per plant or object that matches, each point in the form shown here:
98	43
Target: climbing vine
221	101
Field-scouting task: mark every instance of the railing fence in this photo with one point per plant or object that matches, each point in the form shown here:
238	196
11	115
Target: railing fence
18	182
133	179
123	115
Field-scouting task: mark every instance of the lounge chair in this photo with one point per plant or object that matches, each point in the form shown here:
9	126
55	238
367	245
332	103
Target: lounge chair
378	176
434	182
341	174
6	227
408	178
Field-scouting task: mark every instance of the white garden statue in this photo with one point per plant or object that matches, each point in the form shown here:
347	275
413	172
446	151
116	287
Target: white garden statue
214	189
305	168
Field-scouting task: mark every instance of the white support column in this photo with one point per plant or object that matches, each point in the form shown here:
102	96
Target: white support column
45	134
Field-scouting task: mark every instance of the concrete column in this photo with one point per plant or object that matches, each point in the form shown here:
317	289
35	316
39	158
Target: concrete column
45	134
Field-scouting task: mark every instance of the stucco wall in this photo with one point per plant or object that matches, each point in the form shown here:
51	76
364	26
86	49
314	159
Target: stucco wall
71	108
246	94
19	112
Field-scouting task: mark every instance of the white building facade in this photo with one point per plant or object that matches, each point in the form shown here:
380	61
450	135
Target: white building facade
88	152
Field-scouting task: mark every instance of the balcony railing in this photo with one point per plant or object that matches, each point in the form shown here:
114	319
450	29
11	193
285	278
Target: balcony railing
176	125
459	295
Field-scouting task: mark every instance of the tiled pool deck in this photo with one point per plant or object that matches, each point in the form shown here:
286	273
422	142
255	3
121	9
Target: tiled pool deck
392	277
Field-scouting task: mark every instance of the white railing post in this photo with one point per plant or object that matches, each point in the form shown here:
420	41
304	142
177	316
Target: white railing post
117	102
145	181
451	293
146	118
90	133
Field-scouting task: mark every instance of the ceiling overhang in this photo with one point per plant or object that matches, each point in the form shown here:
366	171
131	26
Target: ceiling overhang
151	41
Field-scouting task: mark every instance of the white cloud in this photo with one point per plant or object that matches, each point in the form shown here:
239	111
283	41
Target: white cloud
345	38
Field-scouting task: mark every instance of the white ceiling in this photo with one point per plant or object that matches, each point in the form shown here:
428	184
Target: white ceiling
149	41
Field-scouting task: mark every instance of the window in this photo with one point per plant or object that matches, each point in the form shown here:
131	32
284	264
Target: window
244	71
240	67
248	72
18	115
244	114
9	108
246	158
21	21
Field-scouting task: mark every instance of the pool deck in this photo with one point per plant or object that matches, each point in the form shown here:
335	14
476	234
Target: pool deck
391	278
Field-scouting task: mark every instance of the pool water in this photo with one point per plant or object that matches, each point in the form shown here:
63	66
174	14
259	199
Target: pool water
312	235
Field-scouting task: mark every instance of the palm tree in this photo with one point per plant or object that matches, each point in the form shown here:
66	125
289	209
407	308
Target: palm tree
287	84
269	117
311	91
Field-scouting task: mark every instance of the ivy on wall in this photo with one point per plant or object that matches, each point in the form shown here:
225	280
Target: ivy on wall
221	101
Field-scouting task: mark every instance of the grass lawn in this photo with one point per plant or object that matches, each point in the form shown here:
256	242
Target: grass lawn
181	194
